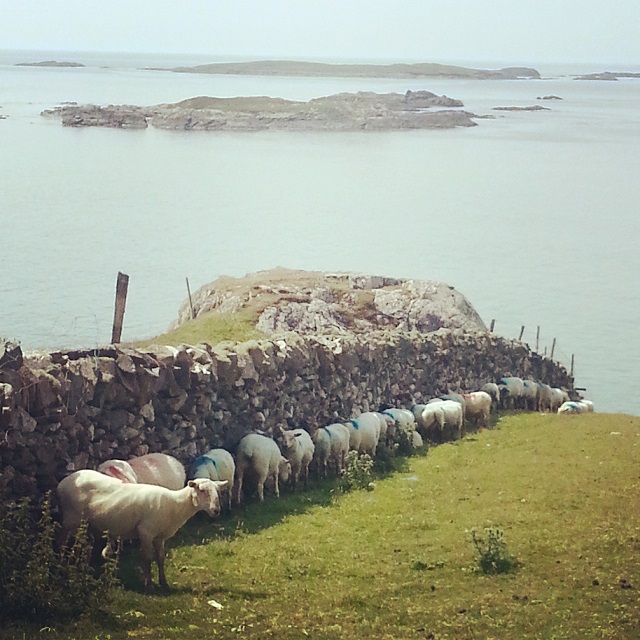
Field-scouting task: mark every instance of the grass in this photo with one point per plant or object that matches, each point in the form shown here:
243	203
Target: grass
210	327
399	561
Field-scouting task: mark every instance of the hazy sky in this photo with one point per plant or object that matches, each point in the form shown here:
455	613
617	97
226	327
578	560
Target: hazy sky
514	31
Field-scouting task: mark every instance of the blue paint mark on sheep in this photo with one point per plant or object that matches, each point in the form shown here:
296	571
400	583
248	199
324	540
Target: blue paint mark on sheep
328	432
355	423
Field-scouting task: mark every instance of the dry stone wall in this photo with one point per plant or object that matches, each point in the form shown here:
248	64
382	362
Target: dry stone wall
64	411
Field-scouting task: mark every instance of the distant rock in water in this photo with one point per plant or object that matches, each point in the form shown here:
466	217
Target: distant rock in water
310	302
548	98
49	63
320	69
339	112
535	107
608	75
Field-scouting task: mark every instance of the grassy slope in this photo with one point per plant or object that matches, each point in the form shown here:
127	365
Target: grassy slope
397	562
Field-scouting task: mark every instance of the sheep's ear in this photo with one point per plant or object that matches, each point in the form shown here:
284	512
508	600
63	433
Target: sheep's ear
221	484
191	483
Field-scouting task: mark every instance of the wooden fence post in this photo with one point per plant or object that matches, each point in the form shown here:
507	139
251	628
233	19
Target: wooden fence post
571	372
492	325
193	315
538	339
521	332
553	348
122	286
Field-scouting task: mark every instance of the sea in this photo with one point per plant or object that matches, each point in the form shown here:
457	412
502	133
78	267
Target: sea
533	215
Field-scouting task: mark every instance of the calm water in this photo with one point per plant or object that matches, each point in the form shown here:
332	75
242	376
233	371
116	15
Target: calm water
532	215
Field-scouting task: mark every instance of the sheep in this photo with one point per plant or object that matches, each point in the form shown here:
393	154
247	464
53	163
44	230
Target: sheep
478	407
149	513
578	406
262	456
297	447
332	444
492	389
558	397
405	423
364	433
511	392
416	440
154	468
530	395
544	397
216	464
119	469
388	429
430	423
452	417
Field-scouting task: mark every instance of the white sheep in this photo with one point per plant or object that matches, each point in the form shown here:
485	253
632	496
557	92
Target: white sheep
332	445
416	440
216	464
448	417
298	448
545	397
579	406
261	456
364	433
430	422
153	468
478	408
149	513
558	397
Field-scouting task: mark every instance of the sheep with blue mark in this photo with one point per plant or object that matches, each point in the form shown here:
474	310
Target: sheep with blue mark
215	464
511	392
332	447
364	433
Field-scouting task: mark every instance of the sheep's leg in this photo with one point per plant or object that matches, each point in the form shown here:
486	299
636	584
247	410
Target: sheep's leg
276	484
239	474
146	548
158	545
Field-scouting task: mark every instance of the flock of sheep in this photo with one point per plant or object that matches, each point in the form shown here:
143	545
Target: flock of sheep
146	497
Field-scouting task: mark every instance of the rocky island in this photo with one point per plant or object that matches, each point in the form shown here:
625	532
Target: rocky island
49	63
608	75
339	112
320	69
310	302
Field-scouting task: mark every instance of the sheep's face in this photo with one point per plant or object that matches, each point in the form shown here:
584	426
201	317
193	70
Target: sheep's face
206	496
288	440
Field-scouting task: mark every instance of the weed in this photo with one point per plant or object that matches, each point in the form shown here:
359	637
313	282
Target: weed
492	554
38	582
358	472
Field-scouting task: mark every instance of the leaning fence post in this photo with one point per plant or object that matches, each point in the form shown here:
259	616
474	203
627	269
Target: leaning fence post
193	315
521	332
122	285
538	340
553	347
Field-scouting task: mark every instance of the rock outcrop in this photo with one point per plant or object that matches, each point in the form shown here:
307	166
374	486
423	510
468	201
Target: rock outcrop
340	112
314	302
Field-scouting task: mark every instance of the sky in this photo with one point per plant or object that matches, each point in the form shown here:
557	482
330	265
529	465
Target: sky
514	31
